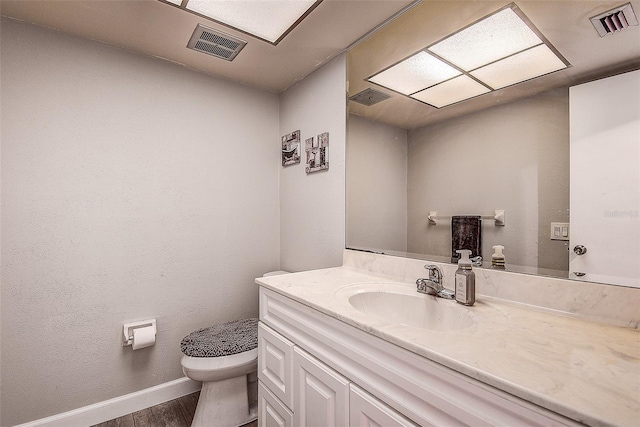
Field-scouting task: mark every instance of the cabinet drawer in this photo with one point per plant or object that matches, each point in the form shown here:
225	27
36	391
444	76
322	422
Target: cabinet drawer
322	394
366	411
275	363
271	411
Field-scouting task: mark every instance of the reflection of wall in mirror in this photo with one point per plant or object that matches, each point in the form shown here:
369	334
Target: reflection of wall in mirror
376	185
523	148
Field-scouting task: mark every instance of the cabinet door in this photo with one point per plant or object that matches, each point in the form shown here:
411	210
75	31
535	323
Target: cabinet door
271	411
322	394
275	363
367	411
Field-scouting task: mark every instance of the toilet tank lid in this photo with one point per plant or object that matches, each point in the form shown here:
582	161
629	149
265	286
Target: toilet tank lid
275	273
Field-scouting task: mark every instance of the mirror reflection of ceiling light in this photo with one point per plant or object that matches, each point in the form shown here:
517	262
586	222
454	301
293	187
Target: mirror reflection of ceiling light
451	91
269	20
497	51
415	73
526	65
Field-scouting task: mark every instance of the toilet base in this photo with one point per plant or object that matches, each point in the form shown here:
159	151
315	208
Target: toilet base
227	403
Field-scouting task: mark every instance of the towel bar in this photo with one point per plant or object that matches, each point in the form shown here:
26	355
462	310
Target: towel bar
498	217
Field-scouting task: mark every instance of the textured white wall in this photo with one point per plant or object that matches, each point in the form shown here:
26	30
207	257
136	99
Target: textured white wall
523	148
376	185
131	188
312	207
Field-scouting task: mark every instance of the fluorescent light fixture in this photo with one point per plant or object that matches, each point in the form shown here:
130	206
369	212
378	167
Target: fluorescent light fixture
269	20
497	51
495	37
415	73
526	65
451	91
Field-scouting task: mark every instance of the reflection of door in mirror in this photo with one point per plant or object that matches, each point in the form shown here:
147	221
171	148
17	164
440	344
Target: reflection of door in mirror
605	180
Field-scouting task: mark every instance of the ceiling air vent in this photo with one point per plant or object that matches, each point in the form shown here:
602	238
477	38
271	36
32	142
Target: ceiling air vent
369	97
216	43
615	20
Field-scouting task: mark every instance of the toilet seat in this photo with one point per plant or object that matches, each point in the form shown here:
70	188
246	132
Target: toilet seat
221	367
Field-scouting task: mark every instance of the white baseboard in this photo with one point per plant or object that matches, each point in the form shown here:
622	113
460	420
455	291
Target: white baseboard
119	406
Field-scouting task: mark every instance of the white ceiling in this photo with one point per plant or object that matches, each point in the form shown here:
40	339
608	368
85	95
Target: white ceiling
158	29
154	28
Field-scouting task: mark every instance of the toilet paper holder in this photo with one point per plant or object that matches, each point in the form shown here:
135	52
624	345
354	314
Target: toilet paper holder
127	329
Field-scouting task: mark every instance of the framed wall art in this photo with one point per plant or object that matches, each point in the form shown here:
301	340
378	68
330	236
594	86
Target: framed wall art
317	153
291	148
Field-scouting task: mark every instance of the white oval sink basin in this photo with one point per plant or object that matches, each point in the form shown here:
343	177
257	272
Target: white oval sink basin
419	310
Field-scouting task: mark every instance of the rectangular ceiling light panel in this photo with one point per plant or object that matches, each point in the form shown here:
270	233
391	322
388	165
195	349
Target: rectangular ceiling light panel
415	73
451	91
500	50
269	20
523	66
493	38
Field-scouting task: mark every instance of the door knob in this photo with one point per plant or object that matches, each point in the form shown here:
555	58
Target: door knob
580	250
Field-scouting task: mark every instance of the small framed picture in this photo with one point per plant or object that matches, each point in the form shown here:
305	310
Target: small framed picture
291	148
317	153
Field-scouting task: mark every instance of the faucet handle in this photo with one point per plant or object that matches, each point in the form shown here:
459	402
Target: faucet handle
435	273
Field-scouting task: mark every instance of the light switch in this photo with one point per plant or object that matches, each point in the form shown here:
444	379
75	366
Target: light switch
559	231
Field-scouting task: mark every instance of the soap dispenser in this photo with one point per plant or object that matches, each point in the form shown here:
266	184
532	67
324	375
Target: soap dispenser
465	279
497	259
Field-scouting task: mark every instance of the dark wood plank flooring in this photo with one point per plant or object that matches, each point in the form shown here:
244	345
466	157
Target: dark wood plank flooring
174	413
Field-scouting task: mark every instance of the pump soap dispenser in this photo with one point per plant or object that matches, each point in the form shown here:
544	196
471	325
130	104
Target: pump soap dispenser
497	259
465	279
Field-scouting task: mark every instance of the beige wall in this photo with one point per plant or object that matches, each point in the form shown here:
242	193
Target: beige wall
376	185
312	206
523	148
131	188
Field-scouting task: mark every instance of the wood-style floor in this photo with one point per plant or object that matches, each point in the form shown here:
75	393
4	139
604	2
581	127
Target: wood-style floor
174	413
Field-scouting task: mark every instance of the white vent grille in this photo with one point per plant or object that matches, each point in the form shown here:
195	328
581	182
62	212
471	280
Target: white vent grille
216	43
369	97
615	20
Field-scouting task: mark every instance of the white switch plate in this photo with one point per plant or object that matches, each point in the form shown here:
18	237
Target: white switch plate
560	231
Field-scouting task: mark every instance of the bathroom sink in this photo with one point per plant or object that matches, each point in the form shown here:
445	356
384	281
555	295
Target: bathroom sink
417	310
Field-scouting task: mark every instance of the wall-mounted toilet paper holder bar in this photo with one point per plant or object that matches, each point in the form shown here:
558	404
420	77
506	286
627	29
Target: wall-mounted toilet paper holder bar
128	328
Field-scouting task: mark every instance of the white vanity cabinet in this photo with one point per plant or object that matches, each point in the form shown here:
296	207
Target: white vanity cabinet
320	395
323	372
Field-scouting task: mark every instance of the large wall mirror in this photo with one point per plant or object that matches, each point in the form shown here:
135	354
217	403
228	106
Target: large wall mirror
507	150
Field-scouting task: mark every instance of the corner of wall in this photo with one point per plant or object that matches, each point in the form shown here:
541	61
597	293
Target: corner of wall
312	206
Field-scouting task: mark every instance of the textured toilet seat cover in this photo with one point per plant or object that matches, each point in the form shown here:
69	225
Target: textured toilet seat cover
222	340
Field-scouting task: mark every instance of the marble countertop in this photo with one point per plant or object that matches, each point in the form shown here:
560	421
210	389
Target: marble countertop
586	371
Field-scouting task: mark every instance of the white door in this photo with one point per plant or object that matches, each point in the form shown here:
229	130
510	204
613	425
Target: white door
271	411
367	411
605	180
321	394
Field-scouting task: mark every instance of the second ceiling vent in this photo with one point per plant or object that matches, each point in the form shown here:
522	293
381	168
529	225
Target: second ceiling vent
216	43
369	97
615	20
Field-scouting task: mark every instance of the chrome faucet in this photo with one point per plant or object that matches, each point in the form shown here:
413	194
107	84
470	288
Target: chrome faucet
433	285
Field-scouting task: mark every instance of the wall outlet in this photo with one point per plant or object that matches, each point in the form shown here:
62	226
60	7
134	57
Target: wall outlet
560	231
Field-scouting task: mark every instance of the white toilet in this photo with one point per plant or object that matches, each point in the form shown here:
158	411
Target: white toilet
225	358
